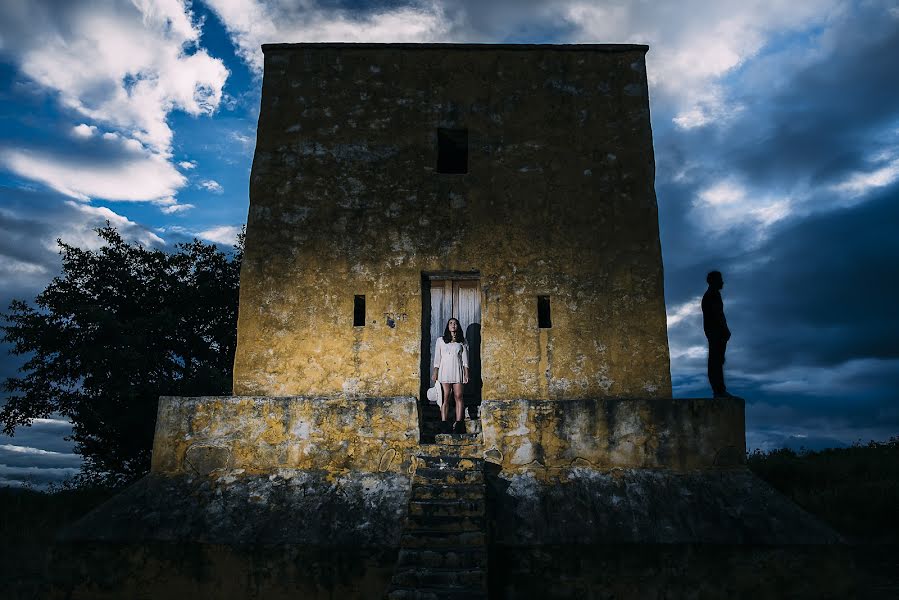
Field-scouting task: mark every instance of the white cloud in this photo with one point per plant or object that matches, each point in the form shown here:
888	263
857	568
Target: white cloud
696	43
223	234
30	255
252	23
860	183
173	209
126	64
728	204
131	174
123	64
220	234
187	165
12	267
80	231
30	450
690	352
84	130
684	311
52	422
211	185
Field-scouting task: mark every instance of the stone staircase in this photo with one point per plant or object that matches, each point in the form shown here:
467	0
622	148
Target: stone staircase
443	548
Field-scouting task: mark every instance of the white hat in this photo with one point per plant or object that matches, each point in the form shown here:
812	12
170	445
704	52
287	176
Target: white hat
435	394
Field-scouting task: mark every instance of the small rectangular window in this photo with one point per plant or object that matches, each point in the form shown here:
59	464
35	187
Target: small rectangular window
544	321
452	151
358	311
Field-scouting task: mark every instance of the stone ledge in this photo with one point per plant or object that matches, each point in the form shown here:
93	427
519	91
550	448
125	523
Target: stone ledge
606	433
202	435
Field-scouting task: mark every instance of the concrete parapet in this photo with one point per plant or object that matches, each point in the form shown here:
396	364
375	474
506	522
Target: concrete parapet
211	434
605	433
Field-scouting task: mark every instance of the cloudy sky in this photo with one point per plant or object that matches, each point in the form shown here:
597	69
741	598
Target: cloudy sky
776	127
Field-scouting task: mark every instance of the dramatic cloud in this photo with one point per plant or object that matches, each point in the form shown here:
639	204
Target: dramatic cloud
220	234
253	22
123	64
107	167
30	224
696	43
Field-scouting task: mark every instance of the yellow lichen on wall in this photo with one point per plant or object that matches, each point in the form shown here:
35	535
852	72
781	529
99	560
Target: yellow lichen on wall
549	438
558	200
257	435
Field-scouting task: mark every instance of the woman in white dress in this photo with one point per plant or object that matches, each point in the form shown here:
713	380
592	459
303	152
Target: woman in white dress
451	369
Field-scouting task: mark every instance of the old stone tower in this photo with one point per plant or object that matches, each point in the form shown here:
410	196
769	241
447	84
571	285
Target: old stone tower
510	186
397	185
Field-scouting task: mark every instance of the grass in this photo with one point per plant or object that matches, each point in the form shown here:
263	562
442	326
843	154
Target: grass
855	489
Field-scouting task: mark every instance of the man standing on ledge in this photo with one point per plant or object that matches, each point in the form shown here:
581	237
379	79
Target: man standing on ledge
716	331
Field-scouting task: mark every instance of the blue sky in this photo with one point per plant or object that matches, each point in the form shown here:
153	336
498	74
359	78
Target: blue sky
776	128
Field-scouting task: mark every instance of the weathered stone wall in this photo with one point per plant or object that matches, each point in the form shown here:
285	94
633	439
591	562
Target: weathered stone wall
559	200
199	436
547	437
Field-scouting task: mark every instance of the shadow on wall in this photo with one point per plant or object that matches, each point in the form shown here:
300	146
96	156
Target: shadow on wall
475	383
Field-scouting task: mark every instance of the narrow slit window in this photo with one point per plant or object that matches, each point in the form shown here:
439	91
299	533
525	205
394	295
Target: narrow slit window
452	151
358	311
544	320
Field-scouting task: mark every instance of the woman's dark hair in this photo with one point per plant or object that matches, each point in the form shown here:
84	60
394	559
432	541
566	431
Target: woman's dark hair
448	337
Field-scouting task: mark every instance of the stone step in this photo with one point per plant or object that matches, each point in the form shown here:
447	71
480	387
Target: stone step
451	558
458	439
462	463
435	594
448	508
467	451
442	491
436	426
442	523
442	539
445	579
447	476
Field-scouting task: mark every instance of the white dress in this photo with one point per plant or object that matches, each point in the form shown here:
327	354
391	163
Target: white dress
449	358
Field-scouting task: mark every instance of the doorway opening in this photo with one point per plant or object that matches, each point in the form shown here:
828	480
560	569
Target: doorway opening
446	295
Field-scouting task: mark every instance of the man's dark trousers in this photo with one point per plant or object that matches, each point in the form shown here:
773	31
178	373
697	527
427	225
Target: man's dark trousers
717	347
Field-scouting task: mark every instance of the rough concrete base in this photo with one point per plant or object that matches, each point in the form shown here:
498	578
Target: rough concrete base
589	534
638	533
642	506
287	507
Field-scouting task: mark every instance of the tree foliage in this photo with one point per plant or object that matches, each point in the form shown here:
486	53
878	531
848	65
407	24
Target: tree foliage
118	328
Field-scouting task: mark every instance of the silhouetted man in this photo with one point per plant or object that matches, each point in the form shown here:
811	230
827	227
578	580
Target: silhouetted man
716	331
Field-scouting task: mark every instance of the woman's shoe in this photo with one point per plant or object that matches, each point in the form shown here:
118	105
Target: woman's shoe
458	427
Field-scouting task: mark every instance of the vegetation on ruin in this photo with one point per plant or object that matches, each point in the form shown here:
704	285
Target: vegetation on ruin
855	489
119	327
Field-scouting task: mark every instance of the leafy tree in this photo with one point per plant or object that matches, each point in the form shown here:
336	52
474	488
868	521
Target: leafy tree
118	328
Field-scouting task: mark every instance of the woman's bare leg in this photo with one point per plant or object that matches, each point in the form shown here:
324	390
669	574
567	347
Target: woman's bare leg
460	403
445	408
